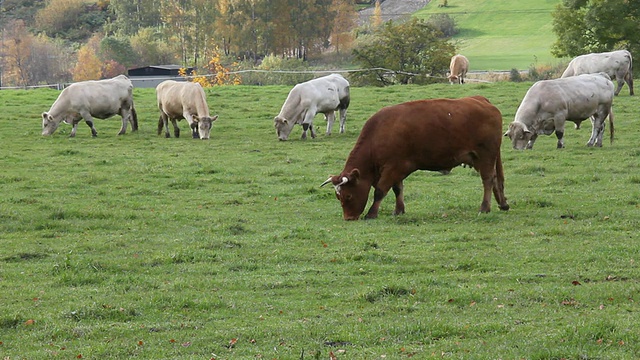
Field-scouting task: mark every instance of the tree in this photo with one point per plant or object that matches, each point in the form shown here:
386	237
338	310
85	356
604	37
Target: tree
89	66
376	19
16	52
343	24
584	26
151	48
408	52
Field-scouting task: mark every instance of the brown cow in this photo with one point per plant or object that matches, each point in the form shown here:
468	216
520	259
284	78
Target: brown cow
430	135
458	69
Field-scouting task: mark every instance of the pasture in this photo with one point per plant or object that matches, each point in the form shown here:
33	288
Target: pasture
138	246
501	35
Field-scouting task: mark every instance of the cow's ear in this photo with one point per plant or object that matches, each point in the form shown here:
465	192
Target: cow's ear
354	175
196	118
214	118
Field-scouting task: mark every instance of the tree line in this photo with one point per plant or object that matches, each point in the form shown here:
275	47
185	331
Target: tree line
73	40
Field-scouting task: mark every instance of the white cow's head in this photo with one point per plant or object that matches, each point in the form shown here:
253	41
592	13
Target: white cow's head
49	124
204	125
519	135
283	127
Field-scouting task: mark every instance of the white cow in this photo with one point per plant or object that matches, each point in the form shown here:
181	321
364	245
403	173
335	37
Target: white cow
184	100
88	99
458	69
549	103
322	95
617	64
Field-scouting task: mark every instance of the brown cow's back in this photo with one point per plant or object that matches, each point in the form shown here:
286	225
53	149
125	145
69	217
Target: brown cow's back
431	134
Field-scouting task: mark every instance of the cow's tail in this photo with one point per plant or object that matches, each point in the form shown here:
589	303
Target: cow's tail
160	125
629	76
611	129
134	119
498	187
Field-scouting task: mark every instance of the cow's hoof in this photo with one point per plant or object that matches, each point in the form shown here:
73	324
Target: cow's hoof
504	207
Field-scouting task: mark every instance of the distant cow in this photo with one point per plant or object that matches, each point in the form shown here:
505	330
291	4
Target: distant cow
184	100
549	103
92	99
430	135
458	69
617	64
322	95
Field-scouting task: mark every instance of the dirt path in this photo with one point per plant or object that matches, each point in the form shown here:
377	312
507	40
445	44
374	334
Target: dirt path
393	9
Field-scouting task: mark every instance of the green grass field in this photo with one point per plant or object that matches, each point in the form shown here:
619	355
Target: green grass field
137	246
501	35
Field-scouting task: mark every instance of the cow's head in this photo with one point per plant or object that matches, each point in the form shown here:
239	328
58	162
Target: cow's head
453	79
519	135
203	125
352	193
283	127
49	124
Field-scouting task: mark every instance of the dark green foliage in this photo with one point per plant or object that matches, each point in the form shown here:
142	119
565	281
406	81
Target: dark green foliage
409	52
586	26
444	23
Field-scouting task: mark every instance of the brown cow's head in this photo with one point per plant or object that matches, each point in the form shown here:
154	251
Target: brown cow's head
352	193
519	135
49	124
204	125
283	127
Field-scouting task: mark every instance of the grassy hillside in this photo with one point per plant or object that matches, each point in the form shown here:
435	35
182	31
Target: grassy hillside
501	35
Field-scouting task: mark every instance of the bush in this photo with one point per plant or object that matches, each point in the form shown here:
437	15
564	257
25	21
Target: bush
515	76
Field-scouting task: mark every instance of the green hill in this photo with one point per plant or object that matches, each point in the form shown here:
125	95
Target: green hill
501	35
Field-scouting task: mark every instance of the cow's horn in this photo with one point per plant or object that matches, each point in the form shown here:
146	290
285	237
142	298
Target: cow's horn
326	182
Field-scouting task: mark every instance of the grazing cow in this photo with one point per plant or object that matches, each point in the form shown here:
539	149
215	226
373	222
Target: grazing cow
92	99
458	69
549	103
322	95
430	135
184	100
617	64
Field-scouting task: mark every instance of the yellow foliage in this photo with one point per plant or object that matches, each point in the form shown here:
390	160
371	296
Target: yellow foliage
88	67
218	74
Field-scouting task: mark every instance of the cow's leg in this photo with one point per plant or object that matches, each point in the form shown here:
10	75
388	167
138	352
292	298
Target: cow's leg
488	176
307	119
559	125
176	128
531	141
397	189
382	188
620	85
126	117
331	118
193	124
343	119
629	79
89	120
162	123
74	127
597	130
378	195
560	136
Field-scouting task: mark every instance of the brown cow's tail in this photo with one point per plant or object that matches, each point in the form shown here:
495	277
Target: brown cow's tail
134	119
498	187
611	129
